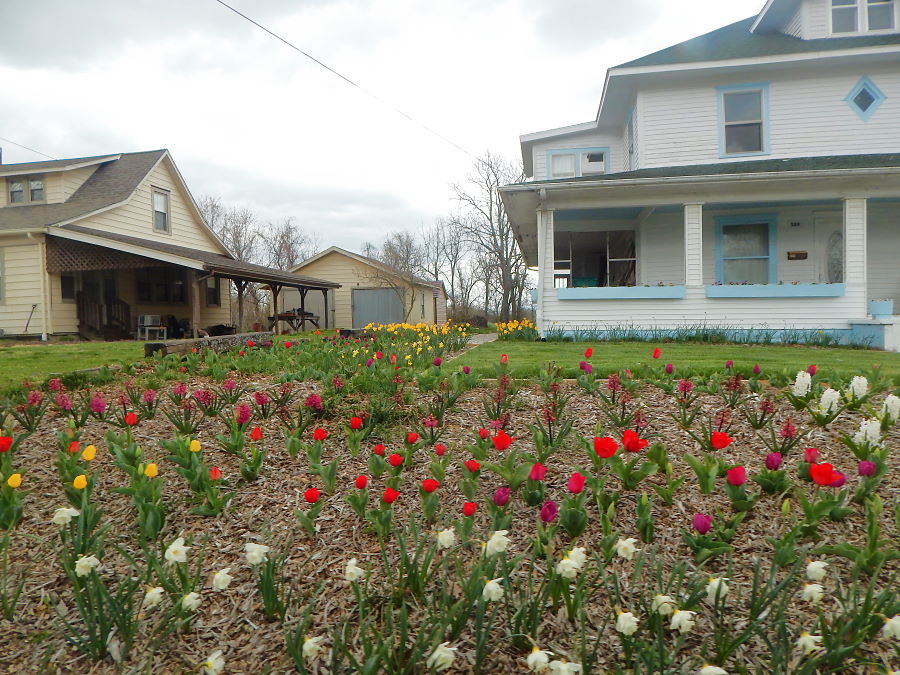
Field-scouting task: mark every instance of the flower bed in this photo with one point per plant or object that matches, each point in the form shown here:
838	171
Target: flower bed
365	504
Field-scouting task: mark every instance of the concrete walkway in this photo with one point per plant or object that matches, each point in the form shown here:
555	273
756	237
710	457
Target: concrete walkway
481	338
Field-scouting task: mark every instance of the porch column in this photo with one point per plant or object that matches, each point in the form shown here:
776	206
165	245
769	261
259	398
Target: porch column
693	246
275	291
241	287
325	316
855	262
545	265
303	292
195	304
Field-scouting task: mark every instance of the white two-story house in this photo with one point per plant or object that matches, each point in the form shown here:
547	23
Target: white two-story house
747	179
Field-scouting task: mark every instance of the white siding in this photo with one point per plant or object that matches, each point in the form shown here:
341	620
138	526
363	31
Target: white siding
816	19
807	117
615	162
795	25
884	253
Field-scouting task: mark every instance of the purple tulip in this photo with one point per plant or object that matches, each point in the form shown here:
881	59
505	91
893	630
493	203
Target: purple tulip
773	461
839	481
549	511
466	370
702	523
502	496
369	362
669	369
437	361
812	369
756	369
582	364
866	468
588	368
729	364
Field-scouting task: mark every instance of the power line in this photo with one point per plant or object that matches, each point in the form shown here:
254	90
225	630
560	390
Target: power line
25	147
347	79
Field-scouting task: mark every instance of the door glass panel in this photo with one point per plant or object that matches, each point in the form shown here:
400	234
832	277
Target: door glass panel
834	258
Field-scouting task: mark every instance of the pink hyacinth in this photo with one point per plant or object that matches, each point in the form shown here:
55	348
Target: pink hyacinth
35	397
613	383
430	422
685	386
242	414
261	398
788	429
63	402
229	385
204	397
313	402
98	404
180	389
55	384
149	396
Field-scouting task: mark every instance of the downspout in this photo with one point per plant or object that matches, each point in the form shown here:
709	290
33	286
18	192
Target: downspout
45	320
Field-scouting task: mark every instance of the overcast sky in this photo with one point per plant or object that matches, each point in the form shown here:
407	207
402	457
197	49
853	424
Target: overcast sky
254	122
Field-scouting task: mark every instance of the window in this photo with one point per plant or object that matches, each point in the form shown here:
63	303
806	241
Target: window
161	284
213	292
160	210
865	98
67	286
26	189
742	111
577	162
591	259
745	247
862	16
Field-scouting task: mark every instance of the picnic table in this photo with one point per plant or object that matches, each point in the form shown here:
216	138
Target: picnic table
295	319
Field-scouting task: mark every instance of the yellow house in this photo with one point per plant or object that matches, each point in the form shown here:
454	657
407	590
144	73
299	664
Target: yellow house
370	292
106	246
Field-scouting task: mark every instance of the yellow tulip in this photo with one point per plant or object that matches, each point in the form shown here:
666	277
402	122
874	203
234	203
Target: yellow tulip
80	482
15	480
195	445
151	470
89	453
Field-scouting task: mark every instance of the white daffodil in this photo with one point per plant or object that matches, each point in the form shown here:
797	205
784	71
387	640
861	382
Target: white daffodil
716	589
801	387
682	620
86	564
564	668
869	433
663	605
712	670
567	568
255	553
625	548
311	647
352	572
446	538
222	579
63	515
830	401
177	551
152	597
891	628
191	602
815	570
214	663
626	623
578	556
859	386
807	643
442	657
813	593
890	408
493	590
538	660
497	543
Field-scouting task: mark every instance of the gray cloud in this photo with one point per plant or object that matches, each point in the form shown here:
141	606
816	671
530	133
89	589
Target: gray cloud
583	24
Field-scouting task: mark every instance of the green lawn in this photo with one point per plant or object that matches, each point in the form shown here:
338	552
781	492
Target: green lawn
38	361
527	358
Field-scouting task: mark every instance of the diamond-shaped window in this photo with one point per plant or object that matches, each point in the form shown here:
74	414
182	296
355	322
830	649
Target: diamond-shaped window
865	98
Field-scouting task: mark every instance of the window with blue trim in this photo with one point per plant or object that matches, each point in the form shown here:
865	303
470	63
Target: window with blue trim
865	98
577	162
742	115
745	249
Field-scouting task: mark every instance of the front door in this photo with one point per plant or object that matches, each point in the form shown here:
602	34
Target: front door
830	247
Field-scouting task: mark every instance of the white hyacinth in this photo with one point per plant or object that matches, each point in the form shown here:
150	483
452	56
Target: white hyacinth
682	620
802	384
890	408
830	401
663	605
859	387
492	590
869	433
497	543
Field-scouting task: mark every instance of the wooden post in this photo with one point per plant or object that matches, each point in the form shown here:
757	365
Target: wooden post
241	286
275	291
303	292
325	296
195	305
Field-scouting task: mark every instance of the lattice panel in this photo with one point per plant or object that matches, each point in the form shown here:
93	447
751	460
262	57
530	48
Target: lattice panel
65	255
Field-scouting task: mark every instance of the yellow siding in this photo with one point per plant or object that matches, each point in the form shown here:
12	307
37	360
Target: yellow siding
126	282
20	286
53	188
136	217
64	312
72	180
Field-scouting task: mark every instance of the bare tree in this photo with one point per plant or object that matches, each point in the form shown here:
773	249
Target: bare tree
398	260
286	245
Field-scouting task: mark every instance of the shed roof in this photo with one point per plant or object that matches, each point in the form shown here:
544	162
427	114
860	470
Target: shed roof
366	260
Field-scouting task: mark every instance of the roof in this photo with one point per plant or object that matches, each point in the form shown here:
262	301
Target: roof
114	181
216	263
825	163
736	41
54	164
369	261
775	14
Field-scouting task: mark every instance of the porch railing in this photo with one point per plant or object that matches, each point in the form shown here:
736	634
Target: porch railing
118	314
90	312
95	315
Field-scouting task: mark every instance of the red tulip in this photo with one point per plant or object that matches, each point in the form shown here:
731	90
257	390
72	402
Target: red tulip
319	434
502	440
287	344
657	352
256	434
250	343
379	450
483	434
215	473
468	508
440	449
811	455
605	447
812	369
588	353
379	355
395	460
361	482
576	483
504	359
472	465
412	437
131	419
356	423
5	443
241	353
823	474
538	471
719	440
632	442
737	475
430	485
390	494
74	447
311	496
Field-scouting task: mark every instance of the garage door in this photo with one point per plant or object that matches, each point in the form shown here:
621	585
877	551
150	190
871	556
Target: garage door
376	305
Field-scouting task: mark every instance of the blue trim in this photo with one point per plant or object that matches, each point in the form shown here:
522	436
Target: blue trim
865	83
776	291
607	163
763	88
620	292
770	219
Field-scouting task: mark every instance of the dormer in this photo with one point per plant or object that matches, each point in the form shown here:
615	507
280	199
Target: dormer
50	182
817	19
